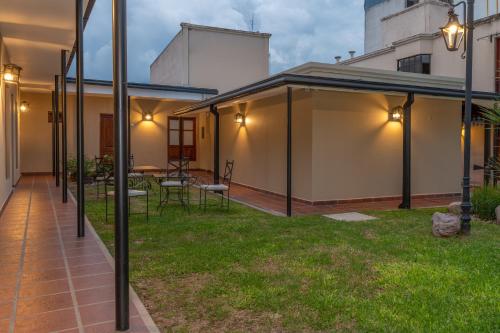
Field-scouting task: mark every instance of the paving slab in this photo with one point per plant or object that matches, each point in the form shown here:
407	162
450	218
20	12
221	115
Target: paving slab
350	217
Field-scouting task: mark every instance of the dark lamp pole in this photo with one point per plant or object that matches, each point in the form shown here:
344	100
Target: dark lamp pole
454	26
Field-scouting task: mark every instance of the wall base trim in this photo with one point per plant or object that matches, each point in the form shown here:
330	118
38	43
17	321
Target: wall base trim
347	201
387	198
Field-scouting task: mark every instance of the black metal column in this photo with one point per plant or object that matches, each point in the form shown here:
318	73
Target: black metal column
64	130
289	152
53	136
56	122
121	163
466	204
487	152
80	150
215	112
406	204
129	125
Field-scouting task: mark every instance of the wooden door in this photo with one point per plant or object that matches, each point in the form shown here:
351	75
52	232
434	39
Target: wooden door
181	133
107	135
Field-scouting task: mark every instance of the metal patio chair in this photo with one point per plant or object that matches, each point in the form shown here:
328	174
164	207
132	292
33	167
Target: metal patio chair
134	177
221	188
136	190
103	169
176	181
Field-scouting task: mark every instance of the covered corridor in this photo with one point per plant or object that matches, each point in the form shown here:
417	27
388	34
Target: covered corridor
52	281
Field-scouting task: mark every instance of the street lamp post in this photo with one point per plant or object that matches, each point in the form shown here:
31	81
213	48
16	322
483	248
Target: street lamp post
453	34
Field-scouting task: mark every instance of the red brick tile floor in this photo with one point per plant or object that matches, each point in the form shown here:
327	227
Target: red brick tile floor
50	280
276	204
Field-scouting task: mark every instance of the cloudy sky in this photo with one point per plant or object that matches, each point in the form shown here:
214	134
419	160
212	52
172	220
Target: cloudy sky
303	30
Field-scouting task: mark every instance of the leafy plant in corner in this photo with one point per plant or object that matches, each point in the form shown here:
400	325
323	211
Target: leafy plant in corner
88	169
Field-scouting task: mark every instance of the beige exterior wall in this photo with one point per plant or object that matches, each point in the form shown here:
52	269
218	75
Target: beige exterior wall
477	154
215	58
149	140
259	147
426	17
343	145
36	134
358	153
9	132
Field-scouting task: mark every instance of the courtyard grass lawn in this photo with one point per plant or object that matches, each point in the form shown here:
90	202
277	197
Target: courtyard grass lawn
243	270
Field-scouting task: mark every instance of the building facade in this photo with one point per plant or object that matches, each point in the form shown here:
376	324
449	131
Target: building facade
403	35
391	43
212	57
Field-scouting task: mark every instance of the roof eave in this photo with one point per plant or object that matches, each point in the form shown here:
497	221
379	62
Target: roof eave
306	80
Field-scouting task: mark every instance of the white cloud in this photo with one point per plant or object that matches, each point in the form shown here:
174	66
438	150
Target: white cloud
303	30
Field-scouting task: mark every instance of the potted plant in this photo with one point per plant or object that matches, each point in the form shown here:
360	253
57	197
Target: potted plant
88	170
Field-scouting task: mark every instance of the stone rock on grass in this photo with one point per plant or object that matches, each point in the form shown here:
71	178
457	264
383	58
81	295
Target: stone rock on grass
445	225
497	214
455	208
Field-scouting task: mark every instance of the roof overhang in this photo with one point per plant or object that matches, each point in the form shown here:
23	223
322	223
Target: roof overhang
34	32
143	90
286	79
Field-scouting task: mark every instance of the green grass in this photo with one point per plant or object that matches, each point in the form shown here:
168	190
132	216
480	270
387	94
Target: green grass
245	271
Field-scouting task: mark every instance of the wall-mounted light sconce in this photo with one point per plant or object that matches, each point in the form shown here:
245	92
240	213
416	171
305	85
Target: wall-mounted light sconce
147	116
24	107
239	118
11	73
396	114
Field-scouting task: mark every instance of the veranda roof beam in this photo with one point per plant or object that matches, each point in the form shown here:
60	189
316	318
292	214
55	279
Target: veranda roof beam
315	81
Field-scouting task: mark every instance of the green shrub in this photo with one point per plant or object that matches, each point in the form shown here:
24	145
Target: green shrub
484	202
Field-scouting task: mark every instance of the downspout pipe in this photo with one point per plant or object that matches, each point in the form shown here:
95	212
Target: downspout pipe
406	203
289	153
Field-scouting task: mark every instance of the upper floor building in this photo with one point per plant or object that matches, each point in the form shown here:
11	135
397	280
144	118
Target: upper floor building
389	20
404	35
212	57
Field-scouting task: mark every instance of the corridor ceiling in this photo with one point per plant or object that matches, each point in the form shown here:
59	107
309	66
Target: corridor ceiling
34	32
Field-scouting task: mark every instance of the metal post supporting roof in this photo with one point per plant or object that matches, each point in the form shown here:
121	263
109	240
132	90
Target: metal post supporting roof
64	143
55	118
121	164
213	110
53	136
80	152
406	204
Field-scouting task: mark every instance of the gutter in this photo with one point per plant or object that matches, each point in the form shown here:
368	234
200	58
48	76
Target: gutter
306	80
148	86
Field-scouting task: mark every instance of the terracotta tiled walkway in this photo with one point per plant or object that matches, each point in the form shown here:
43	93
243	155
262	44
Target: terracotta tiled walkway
277	204
51	281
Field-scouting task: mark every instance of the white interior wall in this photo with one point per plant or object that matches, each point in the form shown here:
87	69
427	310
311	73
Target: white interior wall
9	120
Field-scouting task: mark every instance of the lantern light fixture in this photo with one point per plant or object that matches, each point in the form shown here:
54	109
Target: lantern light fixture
396	114
240	118
24	107
453	32
11	73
